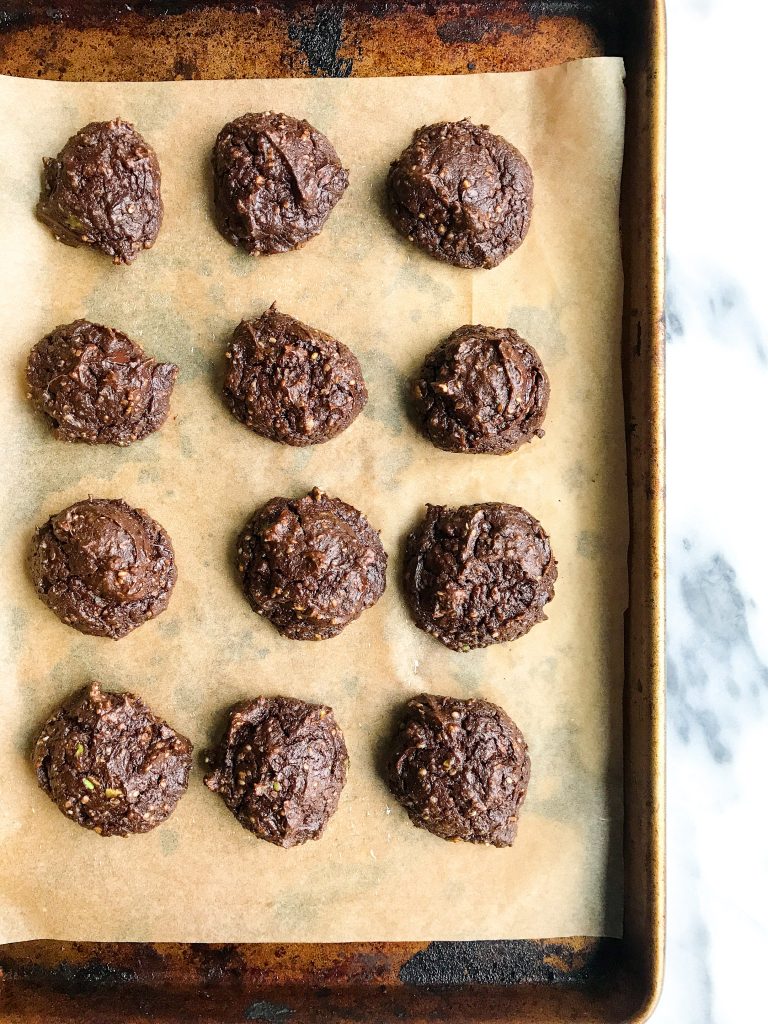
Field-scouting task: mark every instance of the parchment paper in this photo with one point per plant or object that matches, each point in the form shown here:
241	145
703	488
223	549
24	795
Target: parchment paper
200	876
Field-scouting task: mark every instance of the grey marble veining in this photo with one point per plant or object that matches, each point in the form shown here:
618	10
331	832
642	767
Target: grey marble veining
717	400
716	680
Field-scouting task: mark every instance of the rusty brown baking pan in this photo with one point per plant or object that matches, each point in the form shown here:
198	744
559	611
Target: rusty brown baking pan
568	979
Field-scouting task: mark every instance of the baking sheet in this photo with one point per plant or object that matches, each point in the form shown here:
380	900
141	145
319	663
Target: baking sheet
200	877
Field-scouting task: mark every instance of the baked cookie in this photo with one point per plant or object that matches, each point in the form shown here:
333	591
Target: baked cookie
94	384
461	769
103	191
311	566
462	194
483	389
290	382
275	182
103	567
110	764
280	768
479	574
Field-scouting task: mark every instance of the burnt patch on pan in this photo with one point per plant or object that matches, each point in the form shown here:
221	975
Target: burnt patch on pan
475	30
479	28
73	979
269	1013
319	38
215	964
509	962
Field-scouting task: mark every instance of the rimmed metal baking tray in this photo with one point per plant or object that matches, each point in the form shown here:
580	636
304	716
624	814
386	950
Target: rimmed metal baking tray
568	979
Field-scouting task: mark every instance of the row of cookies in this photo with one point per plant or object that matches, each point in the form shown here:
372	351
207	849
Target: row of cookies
475	575
109	763
459	192
483	389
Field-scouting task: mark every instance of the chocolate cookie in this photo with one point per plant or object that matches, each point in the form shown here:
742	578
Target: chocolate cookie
103	567
110	764
482	390
103	191
478	574
462	194
280	768
311	566
461	769
275	182
96	385
292	383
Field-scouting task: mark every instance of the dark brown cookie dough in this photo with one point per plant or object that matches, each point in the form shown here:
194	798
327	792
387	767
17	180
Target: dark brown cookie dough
482	390
103	191
275	182
103	567
290	382
461	769
110	764
462	194
96	385
280	768
311	566
478	574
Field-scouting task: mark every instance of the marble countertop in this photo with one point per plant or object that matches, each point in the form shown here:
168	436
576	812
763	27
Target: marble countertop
717	424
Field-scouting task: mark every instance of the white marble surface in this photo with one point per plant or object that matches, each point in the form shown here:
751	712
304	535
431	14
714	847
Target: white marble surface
717	315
